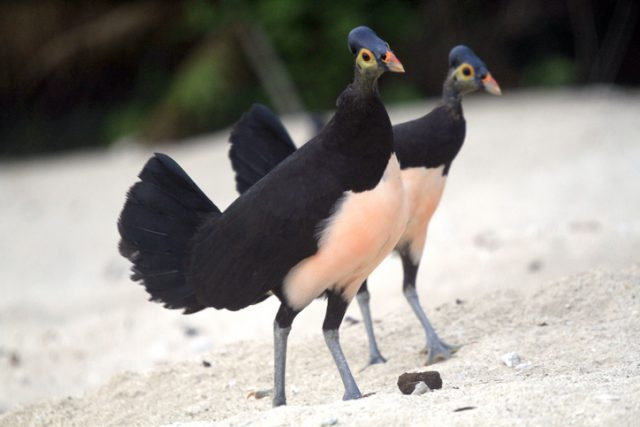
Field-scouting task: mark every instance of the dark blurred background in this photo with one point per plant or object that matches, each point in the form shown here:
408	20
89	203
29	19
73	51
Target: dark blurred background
78	74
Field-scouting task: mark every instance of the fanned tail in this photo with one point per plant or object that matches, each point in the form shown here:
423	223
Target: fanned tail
259	142
160	216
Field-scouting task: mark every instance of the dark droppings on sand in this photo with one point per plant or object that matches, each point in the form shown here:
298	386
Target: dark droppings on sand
407	381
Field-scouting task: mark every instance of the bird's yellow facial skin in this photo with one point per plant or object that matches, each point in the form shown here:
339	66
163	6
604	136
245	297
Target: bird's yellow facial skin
366	60
464	79
465	72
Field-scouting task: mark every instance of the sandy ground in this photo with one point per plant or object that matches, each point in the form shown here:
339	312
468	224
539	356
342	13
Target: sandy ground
578	339
546	186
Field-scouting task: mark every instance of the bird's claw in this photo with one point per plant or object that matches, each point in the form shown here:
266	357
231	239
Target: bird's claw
376	359
352	395
438	351
279	401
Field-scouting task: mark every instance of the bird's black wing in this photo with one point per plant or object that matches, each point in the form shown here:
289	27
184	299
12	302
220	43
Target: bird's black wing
259	142
430	141
240	256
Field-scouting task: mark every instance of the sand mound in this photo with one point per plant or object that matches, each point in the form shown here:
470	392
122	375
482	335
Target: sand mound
578	339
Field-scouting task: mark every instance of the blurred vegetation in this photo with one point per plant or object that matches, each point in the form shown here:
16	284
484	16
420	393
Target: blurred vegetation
79	74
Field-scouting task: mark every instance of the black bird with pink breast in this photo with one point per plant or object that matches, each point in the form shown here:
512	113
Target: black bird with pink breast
297	234
426	148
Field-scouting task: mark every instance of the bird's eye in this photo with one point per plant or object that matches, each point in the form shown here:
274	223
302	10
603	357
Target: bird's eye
466	71
366	56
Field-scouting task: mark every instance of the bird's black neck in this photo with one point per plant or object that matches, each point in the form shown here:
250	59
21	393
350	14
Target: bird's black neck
451	97
360	131
365	83
361	121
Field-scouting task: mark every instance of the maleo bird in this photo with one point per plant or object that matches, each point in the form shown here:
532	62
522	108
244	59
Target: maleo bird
316	225
426	148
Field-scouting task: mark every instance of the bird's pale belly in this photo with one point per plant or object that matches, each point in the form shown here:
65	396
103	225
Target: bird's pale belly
423	190
364	228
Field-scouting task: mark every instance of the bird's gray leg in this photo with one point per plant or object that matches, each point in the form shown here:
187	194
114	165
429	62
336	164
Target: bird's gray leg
363	302
336	307
436	349
281	328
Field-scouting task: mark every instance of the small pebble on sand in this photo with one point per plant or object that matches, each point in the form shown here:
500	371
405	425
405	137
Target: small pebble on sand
511	359
330	421
421	388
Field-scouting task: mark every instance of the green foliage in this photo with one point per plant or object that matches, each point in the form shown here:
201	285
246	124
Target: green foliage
184	70
311	39
200	16
195	96
199	86
123	121
397	91
551	72
215	84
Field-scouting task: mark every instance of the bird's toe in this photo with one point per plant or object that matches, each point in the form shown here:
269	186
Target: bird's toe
377	359
352	395
439	351
279	401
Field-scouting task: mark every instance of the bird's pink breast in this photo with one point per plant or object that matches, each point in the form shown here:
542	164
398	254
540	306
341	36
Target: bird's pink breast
423	190
364	228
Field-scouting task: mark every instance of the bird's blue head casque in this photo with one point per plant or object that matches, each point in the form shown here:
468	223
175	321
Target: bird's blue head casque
372	53
469	72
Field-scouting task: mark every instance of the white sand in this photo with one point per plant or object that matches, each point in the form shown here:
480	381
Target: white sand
547	185
579	341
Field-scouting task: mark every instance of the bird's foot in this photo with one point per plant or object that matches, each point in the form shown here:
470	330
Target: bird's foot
375	359
279	401
352	395
437	351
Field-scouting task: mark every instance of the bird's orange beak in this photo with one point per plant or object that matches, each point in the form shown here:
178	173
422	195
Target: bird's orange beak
392	63
491	85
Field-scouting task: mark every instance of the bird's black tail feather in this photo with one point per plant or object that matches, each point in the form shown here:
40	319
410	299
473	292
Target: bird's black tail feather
160	216
259	142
